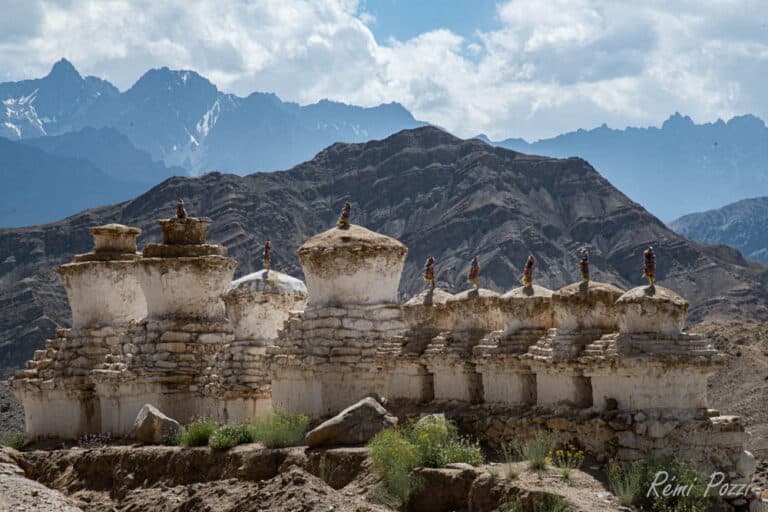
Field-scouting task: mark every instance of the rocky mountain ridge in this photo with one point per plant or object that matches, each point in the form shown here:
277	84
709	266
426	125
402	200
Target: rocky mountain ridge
438	194
678	168
740	225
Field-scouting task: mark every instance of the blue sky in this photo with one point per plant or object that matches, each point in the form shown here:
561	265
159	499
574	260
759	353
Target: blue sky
510	68
403	20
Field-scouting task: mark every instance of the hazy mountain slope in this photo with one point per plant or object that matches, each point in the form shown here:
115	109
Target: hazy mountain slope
679	168
50	105
110	151
741	225
37	186
438	194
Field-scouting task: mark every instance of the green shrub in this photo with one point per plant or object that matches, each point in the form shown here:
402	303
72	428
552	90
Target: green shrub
536	451
198	432
438	443
393	456
228	436
681	475
15	441
280	429
625	481
431	442
567	458
633	484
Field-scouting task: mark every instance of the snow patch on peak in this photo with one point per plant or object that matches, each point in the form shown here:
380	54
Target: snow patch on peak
13	127
20	114
209	119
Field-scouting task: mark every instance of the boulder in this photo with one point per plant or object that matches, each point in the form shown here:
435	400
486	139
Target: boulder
354	425
153	427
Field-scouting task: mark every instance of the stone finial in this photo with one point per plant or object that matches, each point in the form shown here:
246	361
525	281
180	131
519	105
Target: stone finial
528	272
267	255
181	212
184	231
114	238
474	273
649	266
584	265
654	309
429	272
343	222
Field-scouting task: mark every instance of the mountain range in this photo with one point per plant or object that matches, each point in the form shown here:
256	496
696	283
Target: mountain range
440	195
181	118
741	225
679	168
185	125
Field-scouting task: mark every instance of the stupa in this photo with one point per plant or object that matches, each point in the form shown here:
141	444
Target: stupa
326	358
581	313
166	359
500	356
651	364
56	388
258	305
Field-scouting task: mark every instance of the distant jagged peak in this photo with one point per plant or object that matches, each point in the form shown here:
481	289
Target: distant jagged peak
63	69
746	121
170	80
677	120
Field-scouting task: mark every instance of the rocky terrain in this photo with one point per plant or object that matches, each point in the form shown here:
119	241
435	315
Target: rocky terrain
251	478
740	387
740	225
438	194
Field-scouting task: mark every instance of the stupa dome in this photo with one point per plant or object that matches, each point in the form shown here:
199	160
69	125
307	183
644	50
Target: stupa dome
589	305
651	309
352	266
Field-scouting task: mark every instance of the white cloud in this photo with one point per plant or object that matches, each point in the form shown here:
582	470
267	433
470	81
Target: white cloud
548	67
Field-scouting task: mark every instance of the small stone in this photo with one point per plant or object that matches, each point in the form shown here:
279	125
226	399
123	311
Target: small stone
746	465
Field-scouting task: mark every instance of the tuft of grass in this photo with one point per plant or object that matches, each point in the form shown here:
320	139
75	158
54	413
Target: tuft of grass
536	451
15	441
280	429
326	469
382	495
539	503
228	436
198	432
625	481
509	458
